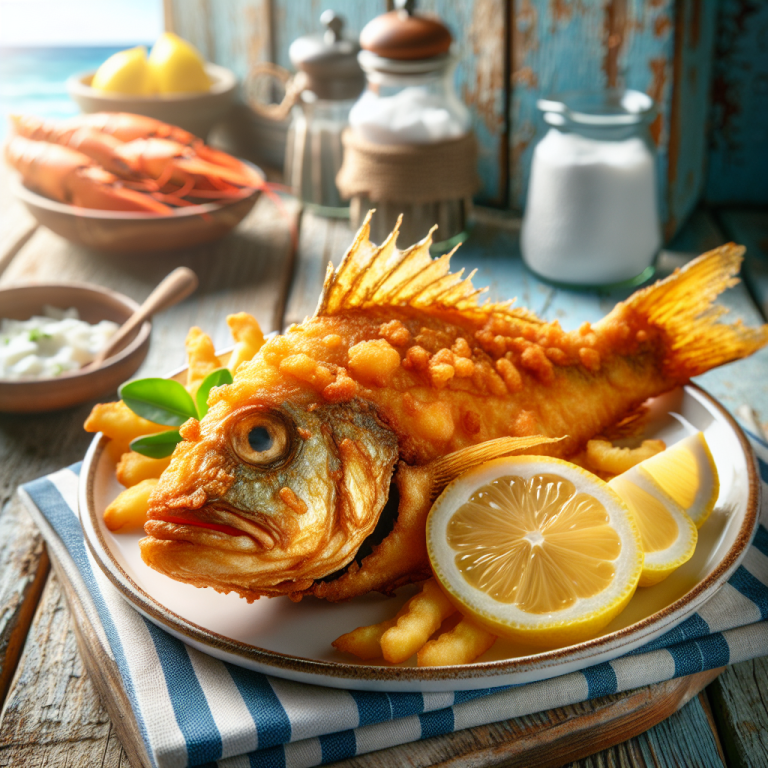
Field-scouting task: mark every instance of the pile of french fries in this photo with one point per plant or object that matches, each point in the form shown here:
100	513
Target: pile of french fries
139	474
397	639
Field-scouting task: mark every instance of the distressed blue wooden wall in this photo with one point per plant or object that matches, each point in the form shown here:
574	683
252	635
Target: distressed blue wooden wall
514	51
738	163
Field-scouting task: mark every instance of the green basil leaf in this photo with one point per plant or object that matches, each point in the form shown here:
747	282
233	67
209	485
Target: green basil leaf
216	378
157	446
161	401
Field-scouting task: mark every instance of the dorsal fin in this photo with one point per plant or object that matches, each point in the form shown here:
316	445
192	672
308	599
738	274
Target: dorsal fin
371	276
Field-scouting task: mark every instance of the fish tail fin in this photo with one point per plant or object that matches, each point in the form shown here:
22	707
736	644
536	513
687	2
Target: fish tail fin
445	469
682	306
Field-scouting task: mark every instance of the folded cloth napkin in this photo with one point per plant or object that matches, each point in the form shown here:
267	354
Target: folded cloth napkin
194	710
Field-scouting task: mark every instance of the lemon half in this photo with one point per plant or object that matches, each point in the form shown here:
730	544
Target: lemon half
536	549
125	72
177	66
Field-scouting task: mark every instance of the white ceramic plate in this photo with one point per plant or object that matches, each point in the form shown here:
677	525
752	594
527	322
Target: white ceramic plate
293	641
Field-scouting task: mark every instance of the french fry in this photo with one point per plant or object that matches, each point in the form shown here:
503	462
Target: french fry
461	645
201	357
424	614
247	333
134	467
605	457
119	423
129	510
364	642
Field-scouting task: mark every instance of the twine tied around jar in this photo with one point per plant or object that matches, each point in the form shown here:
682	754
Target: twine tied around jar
292	86
409	173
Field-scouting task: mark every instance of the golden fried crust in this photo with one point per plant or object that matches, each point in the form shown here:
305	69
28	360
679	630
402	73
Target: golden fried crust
444	382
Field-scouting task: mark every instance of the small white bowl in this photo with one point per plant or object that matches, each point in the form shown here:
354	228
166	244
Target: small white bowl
195	112
93	303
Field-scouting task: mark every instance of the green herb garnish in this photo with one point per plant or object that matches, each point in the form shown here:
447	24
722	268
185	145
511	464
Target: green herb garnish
37	335
215	379
157	446
164	401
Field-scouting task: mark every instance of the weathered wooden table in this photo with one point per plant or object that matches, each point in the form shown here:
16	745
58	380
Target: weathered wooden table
51	713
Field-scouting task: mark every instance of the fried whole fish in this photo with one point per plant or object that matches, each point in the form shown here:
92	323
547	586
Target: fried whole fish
403	372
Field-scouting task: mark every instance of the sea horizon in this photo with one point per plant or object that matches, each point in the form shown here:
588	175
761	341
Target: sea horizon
33	78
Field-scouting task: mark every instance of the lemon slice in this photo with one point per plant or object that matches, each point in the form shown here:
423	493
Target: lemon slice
536	549
668	535
686	472
671	495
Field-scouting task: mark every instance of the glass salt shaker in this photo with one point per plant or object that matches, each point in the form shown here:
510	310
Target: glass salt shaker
333	81
591	215
410	100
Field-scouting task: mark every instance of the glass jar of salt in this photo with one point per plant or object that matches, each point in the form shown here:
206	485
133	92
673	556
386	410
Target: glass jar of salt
591	215
413	152
332	81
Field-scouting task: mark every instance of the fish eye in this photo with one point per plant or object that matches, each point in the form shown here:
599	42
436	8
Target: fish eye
261	439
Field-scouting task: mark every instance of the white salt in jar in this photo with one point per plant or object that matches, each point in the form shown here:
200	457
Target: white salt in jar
409	149
591	215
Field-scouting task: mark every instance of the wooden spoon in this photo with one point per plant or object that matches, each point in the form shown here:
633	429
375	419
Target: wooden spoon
175	287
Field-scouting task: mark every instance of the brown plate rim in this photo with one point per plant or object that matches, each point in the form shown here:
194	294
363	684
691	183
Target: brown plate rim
379	674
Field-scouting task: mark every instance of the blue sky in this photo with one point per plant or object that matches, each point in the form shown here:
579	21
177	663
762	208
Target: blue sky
79	22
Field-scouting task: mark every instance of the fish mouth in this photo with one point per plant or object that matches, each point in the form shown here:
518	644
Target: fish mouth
217	524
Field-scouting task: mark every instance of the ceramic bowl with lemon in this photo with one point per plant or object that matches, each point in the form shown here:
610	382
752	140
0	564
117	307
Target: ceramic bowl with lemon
173	84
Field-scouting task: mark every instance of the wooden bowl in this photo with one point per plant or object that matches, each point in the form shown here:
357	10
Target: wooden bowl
129	232
195	112
20	302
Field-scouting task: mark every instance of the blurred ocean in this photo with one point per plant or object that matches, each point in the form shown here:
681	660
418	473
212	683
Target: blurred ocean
33	80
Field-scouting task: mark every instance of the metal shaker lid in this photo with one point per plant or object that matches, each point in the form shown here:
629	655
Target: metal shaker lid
329	61
405	35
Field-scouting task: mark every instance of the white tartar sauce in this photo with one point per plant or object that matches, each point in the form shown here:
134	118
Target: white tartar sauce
50	345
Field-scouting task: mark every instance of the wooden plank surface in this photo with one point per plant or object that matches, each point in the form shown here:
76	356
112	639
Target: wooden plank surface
741	712
52	716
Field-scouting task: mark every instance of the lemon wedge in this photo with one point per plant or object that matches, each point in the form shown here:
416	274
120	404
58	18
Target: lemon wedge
125	72
671	494
535	549
686	472
177	66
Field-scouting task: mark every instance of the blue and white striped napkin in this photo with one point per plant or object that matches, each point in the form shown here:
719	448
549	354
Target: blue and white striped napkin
194	710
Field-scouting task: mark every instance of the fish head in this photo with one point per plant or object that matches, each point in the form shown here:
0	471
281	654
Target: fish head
265	498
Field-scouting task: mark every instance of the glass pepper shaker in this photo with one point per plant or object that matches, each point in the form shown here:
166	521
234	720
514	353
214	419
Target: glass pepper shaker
591	215
332	80
410	146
